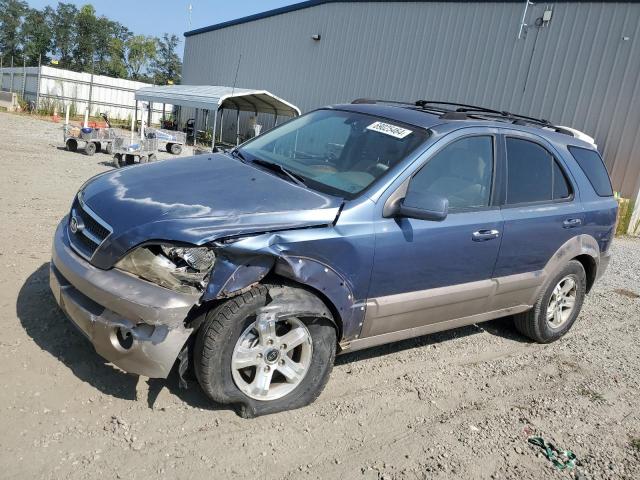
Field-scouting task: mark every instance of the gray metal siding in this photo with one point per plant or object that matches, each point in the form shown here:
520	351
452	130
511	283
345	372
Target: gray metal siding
577	71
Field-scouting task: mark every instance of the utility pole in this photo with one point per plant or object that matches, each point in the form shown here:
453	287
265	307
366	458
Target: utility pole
24	75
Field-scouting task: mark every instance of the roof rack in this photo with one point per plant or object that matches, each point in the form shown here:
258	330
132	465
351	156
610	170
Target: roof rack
463	111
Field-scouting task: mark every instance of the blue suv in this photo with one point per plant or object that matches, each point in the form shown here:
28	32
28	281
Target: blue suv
348	227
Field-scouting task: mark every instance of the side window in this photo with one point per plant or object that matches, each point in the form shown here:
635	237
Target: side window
593	167
533	175
462	172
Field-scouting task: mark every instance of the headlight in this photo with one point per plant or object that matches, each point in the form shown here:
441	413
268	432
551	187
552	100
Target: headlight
183	269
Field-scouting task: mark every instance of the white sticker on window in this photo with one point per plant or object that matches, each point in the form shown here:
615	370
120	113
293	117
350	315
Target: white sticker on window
389	129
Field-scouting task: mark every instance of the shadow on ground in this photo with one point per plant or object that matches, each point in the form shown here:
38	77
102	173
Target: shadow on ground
47	325
502	327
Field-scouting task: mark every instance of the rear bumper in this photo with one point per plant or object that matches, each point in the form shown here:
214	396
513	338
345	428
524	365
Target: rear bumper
133	324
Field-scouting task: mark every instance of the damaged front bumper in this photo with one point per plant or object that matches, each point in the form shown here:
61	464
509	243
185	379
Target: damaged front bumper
133	324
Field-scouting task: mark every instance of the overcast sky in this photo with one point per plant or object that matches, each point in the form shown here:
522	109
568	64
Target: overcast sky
154	17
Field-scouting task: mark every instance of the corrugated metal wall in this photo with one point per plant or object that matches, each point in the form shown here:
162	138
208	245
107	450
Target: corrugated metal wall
581	70
113	95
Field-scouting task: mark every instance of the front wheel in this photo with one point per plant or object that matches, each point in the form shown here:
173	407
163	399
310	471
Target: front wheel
557	306
262	363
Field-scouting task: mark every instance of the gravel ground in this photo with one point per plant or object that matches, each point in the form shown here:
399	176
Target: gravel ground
459	404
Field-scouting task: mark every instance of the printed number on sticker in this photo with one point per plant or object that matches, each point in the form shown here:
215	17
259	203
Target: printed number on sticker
388	129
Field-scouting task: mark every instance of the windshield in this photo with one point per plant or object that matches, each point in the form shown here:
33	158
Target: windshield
336	152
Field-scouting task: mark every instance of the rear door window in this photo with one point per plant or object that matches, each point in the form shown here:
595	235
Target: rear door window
593	167
533	174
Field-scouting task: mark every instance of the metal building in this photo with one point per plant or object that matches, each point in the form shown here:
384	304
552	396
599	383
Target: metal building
574	63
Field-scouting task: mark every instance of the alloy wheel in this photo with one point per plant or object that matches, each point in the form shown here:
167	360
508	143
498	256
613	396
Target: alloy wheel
562	302
271	357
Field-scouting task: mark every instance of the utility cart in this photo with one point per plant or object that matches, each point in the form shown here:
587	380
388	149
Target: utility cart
127	150
94	139
169	140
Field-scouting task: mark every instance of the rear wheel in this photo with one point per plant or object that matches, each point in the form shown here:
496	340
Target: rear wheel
152	158
72	145
109	148
168	147
259	363
557	307
129	159
117	160
144	159
90	148
176	148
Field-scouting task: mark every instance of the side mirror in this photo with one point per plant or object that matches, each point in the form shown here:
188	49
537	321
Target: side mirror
423	206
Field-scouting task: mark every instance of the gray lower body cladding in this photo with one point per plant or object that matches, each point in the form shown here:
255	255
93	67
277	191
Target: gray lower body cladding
132	323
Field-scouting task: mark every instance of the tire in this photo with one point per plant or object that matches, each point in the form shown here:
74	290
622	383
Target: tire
220	334
72	145
176	148
168	147
109	148
153	158
117	160
98	147
129	159
90	148
536	324
144	159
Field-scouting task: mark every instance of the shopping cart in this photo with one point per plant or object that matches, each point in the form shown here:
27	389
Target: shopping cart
127	151
169	140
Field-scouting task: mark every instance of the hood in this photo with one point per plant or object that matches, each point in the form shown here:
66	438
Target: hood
197	200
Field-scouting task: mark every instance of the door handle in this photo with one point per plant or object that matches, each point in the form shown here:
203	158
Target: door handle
484	235
571	223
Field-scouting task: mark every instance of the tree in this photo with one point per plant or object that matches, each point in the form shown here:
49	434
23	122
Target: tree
11	12
141	51
63	25
85	45
36	35
167	66
116	64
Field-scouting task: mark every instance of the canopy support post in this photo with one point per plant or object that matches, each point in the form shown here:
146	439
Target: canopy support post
238	127
221	123
195	128
164	106
213	131
149	114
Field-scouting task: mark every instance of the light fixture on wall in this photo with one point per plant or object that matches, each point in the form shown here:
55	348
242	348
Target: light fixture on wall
316	37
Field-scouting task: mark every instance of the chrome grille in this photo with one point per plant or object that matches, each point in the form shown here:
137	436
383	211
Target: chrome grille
91	230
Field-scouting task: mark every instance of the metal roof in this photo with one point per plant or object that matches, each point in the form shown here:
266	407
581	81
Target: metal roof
313	3
210	97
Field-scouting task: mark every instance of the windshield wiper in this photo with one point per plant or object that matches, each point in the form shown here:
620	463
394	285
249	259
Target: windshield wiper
236	153
276	167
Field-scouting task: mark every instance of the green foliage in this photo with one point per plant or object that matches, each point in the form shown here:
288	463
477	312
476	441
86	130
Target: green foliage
141	51
63	24
48	106
82	41
167	66
11	13
36	35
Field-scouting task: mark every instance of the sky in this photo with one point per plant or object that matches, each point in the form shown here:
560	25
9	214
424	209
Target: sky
155	17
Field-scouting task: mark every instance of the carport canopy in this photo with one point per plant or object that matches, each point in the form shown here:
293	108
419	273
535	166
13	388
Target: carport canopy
209	97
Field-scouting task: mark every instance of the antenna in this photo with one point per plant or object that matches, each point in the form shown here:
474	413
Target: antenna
236	77
190	9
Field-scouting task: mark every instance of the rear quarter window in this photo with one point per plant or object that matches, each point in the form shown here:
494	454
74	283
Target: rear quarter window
593	167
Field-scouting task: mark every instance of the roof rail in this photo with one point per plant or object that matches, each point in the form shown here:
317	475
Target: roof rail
372	101
463	111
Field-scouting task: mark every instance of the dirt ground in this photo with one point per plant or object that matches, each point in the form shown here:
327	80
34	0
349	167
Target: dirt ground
460	404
